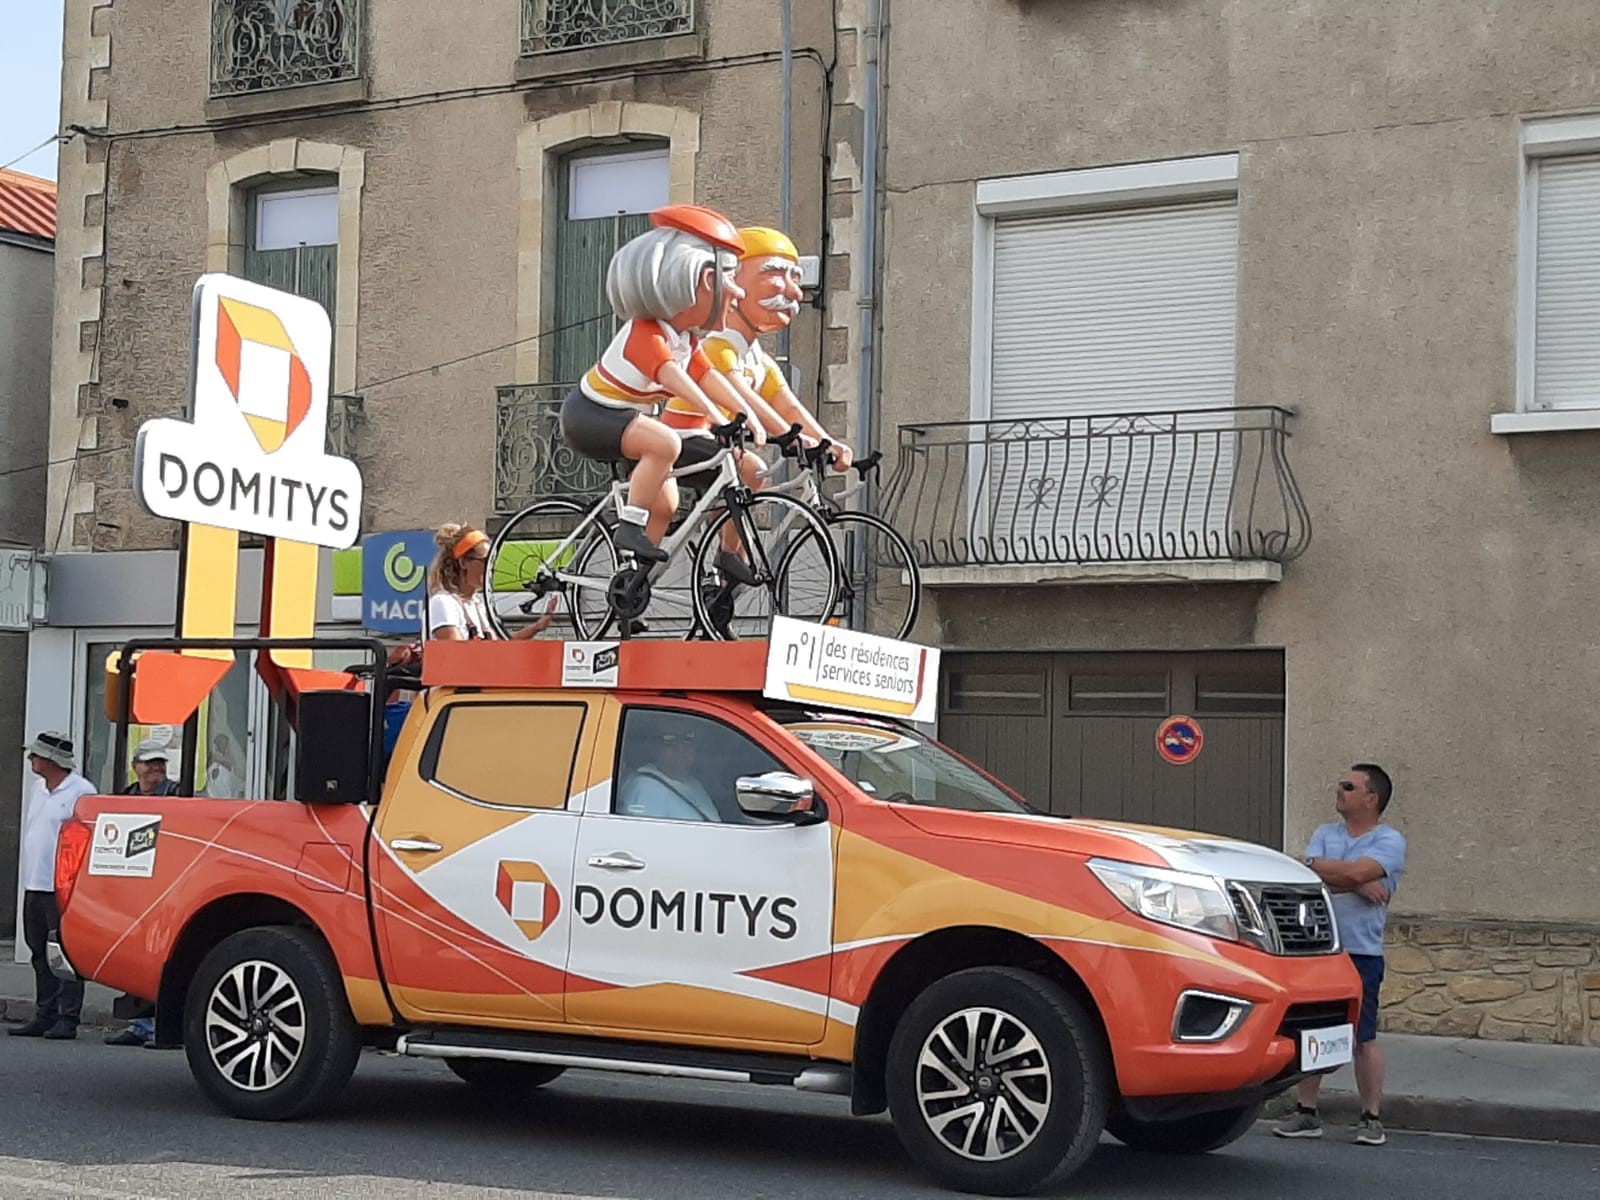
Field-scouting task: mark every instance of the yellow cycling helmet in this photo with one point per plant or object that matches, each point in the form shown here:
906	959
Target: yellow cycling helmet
760	242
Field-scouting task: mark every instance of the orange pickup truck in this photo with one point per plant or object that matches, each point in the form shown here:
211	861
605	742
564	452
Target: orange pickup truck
647	858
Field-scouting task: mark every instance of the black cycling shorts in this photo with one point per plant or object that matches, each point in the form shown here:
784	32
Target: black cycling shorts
698	448
595	431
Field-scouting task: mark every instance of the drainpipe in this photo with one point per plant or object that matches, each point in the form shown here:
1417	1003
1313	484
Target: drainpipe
786	148
866	296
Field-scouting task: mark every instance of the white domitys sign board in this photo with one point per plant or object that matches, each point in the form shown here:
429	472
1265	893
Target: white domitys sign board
253	454
858	672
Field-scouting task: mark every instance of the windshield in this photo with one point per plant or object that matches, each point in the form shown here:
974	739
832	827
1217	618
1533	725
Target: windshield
897	764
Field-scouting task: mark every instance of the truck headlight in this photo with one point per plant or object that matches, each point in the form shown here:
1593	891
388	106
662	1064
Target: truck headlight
1171	897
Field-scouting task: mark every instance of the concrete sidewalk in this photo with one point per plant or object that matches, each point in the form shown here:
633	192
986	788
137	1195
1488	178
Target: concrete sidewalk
1442	1085
16	994
1489	1089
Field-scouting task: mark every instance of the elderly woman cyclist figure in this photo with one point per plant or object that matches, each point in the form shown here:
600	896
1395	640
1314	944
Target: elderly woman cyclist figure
671	284
456	610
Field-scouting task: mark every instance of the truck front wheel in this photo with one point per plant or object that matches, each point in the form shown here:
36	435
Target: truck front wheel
998	1081
266	1026
1198	1134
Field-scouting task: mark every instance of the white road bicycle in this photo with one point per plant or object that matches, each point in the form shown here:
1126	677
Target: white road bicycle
880	588
563	548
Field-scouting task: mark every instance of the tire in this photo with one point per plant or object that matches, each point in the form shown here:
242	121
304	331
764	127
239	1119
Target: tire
502	1077
873	561
520	569
267	1028
1026	1126
1199	1134
791	585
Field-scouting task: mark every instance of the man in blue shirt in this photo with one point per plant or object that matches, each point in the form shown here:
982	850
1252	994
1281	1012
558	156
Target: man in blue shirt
1361	860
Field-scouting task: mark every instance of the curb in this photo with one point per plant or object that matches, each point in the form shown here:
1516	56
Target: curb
1476	1118
1471	1118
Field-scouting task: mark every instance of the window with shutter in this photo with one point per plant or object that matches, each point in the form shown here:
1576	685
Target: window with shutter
1564	195
293	242
1112	332
605	200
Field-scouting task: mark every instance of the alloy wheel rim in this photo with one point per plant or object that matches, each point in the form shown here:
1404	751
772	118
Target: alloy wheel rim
983	1084
255	1025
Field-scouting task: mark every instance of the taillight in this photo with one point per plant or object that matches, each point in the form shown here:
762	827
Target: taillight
72	849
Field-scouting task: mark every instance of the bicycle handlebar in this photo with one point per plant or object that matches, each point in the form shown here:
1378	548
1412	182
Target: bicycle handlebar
870	463
783	441
733	433
819	456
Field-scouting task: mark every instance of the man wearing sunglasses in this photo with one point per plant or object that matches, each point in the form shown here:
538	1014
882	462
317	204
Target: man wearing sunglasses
1361	860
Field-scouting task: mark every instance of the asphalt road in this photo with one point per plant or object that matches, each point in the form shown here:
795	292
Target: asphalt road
85	1120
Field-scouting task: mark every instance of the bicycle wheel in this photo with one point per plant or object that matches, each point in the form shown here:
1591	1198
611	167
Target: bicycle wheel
788	584
880	588
524	557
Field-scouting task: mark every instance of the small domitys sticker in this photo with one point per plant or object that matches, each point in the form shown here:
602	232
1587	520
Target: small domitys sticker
124	844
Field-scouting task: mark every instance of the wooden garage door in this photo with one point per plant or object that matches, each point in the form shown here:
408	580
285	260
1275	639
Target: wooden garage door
1076	734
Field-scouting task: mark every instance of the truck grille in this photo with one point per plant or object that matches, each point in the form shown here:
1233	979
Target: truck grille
1315	1015
1285	918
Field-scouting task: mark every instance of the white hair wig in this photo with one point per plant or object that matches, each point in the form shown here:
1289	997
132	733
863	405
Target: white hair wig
657	273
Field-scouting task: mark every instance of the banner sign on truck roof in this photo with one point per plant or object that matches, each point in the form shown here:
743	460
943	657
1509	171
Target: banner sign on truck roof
841	668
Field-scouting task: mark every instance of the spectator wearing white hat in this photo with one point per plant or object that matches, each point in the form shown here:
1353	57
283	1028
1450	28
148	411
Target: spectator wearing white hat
58	1003
150	779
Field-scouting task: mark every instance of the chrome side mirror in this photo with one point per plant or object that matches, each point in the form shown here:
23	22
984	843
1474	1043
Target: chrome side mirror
779	794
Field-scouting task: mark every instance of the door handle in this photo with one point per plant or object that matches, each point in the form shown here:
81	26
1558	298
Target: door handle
416	845
621	860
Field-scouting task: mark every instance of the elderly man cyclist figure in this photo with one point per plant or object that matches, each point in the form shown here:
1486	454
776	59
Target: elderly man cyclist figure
769	280
671	284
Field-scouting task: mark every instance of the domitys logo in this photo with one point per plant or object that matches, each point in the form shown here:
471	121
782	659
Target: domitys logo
527	894
253	455
273	392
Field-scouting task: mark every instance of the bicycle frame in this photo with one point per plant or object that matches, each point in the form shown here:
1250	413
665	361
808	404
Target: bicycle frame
805	488
673	543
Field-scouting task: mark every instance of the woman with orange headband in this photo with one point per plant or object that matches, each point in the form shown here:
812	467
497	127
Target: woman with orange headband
456	611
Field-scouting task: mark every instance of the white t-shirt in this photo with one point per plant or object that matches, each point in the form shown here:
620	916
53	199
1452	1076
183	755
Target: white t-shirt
41	822
469	616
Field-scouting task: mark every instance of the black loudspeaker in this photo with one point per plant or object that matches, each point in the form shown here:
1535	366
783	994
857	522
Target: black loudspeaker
333	748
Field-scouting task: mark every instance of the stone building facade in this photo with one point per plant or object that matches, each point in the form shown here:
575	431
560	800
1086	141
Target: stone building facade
1336	264
444	138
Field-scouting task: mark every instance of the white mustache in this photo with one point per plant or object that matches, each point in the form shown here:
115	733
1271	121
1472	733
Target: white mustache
781	304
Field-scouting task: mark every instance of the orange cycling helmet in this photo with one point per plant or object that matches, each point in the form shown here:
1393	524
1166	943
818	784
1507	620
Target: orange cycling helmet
704	223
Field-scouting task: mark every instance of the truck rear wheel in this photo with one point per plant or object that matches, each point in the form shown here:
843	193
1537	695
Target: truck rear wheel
503	1077
1198	1134
266	1026
998	1081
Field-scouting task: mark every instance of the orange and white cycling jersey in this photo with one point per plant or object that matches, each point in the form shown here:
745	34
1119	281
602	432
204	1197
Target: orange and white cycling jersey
626	375
731	354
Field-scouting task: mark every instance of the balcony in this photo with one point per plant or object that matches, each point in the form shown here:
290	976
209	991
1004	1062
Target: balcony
1203	494
266	45
531	462
549	26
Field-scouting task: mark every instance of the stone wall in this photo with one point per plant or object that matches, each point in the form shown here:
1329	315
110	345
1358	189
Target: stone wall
1505	981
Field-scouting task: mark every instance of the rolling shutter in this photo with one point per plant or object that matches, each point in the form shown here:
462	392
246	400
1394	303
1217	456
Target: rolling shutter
1110	329
1566	362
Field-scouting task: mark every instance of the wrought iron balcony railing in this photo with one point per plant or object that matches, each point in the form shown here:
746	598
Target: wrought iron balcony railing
1126	487
263	45
347	414
531	461
551	25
